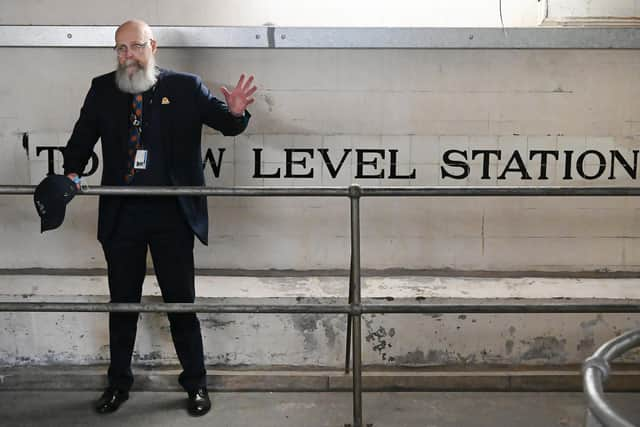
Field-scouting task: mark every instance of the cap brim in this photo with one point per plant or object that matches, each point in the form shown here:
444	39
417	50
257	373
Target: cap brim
52	219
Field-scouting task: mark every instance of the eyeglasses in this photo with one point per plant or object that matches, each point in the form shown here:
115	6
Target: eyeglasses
136	48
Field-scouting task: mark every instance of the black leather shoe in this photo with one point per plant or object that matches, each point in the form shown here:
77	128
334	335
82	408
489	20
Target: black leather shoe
199	403
111	400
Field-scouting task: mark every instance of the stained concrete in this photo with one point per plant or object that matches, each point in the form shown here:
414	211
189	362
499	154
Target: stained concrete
45	408
318	341
541	379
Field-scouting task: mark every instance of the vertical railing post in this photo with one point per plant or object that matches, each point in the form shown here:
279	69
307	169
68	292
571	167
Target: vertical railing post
347	353
356	314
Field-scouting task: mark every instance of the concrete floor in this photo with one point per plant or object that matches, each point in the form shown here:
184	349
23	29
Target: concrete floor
63	408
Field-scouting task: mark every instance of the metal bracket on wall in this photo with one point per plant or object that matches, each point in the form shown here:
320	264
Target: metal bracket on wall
269	37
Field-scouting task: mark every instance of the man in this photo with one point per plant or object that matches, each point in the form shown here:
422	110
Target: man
150	121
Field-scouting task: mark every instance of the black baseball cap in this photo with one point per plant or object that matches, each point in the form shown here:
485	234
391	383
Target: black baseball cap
51	198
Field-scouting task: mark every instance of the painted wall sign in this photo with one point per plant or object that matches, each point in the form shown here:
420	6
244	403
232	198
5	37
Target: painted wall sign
382	163
456	164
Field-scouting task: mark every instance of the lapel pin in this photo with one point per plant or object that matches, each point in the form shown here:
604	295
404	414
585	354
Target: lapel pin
165	100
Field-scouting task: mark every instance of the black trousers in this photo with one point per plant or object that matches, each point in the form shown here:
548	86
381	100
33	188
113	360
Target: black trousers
156	223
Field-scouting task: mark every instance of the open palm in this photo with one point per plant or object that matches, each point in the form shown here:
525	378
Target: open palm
240	97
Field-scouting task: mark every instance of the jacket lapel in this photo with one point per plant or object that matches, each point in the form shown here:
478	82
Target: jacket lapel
161	122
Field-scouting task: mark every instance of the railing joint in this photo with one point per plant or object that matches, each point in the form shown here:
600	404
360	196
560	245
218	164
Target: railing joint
356	309
355	191
599	363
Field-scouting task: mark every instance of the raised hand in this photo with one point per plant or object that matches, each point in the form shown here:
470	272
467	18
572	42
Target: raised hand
240	97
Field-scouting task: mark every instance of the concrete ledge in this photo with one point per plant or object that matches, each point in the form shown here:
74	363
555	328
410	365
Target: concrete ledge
46	286
306	341
623	379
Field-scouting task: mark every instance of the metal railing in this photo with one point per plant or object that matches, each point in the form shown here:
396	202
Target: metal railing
595	371
355	308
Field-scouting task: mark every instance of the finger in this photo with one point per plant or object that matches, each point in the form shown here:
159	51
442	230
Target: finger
251	91
240	81
225	91
247	85
250	101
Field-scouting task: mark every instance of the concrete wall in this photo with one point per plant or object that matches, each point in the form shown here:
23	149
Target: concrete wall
594	8
418	102
373	13
421	103
307	340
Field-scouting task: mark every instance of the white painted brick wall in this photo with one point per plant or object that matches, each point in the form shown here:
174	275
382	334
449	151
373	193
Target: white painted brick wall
420	102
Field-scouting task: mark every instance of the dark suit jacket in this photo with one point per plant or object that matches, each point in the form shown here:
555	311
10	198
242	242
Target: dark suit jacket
176	125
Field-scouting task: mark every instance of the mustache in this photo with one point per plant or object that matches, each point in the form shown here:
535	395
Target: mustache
130	62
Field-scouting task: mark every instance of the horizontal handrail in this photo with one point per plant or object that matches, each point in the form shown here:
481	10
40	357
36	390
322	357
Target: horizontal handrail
192	191
498	191
352	190
429	308
88	307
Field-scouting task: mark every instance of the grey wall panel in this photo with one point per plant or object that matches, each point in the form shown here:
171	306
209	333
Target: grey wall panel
353	38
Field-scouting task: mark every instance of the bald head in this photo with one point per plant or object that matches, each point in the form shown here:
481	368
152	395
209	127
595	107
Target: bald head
135	26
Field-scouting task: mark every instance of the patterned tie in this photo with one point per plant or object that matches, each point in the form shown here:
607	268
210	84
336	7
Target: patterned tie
135	132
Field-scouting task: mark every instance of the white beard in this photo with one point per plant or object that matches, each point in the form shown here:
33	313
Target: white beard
141	80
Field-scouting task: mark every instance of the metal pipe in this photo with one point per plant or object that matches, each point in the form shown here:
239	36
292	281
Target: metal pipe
297	191
347	357
618	346
596	370
498	191
193	191
494	308
354	195
599	407
169	307
353	309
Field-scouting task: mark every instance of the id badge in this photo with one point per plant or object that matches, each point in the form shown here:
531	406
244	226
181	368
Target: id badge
140	161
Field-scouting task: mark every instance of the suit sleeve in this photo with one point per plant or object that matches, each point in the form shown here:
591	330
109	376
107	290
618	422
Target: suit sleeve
84	137
215	114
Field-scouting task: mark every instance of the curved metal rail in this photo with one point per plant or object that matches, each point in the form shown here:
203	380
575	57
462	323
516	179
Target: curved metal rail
595	372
